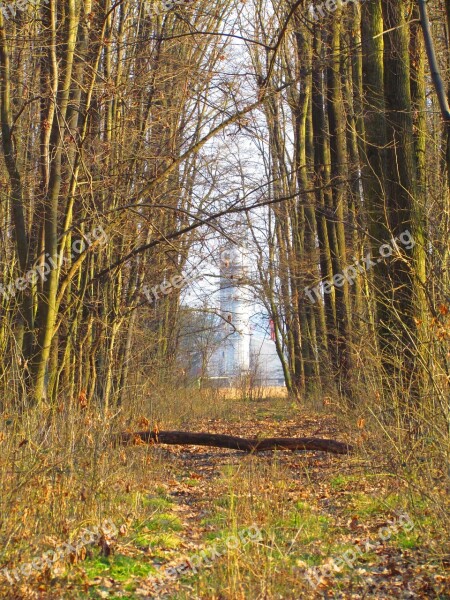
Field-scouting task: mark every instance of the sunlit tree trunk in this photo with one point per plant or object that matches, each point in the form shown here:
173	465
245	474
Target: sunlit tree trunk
61	68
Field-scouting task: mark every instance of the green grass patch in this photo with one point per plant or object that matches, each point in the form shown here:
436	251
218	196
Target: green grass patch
191	482
302	506
310	559
365	505
160	523
406	540
340	482
308	526
119	567
162	541
157	502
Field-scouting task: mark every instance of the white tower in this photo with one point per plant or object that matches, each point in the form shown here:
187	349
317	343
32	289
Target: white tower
235	311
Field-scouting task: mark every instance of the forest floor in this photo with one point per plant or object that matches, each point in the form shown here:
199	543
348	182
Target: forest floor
263	521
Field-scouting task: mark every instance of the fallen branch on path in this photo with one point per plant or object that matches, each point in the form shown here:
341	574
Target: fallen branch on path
217	440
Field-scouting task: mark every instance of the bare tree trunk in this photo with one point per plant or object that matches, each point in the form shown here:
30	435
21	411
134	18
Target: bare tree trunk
339	176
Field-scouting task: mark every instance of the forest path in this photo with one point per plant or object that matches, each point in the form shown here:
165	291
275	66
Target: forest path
263	521
310	507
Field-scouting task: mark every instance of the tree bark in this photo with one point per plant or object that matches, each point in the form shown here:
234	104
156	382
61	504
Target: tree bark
336	230
407	276
217	440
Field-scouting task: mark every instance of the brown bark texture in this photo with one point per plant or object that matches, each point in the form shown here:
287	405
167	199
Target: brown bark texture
232	442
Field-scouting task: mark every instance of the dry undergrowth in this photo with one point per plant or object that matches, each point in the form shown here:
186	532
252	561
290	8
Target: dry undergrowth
59	475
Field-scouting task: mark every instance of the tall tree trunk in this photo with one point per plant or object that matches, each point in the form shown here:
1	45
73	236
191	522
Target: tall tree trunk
26	316
48	304
407	276
374	157
339	175
324	201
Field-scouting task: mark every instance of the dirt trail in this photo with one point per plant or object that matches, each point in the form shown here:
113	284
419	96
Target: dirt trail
310	506
390	567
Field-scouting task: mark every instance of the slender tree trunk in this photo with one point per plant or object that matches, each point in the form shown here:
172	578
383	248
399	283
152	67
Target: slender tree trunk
323	191
47	309
26	319
339	175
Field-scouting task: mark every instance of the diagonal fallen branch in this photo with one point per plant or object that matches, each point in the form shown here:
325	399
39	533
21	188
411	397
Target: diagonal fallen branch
232	442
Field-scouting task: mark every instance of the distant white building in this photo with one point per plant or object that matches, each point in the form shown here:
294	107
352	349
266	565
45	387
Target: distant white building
241	353
232	357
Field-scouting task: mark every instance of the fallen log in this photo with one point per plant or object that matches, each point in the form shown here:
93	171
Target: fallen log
217	440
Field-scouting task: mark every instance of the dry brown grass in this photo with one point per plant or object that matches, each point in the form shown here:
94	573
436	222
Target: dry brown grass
58	474
258	393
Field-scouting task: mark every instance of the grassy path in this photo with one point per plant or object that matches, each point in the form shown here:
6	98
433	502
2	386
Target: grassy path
263	522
